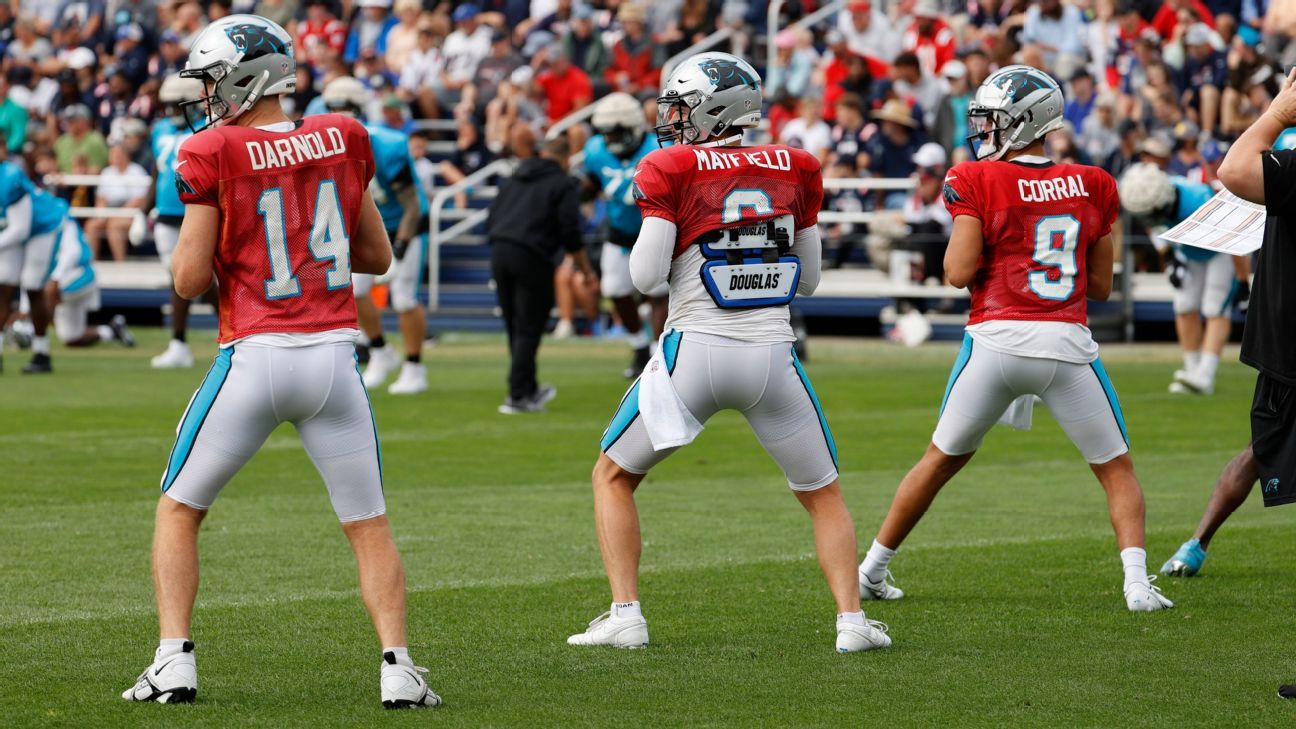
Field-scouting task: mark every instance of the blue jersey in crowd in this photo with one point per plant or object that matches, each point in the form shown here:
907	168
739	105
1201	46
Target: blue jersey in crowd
48	211
614	175
166	144
392	162
1192	195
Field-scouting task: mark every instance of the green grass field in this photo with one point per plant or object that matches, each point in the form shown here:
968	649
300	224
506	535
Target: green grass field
1014	614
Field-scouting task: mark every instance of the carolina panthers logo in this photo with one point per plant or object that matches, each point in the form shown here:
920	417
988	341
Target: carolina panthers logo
1019	85
727	75
951	195
255	41
1272	486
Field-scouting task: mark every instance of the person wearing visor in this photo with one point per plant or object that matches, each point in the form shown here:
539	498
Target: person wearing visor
611	156
732	230
1032	241
404	209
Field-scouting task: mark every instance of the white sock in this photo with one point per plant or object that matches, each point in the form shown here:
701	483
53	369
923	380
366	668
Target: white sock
875	562
627	609
402	654
1135	561
40	345
168	647
1190	360
856	618
1207	365
105	333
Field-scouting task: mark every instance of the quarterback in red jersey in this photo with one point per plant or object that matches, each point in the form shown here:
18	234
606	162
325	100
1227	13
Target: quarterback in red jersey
1032	241
733	231
280	212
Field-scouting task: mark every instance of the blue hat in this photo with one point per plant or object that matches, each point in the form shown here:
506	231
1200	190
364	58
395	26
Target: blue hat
1213	150
464	12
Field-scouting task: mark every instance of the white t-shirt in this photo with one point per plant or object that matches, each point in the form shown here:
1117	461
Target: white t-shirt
1060	340
462	52
115	191
813	137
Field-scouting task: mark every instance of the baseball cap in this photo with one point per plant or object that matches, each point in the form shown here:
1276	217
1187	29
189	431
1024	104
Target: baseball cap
130	31
1186	130
1213	150
1155	146
75	111
79	58
930	154
465	12
582	11
954	69
1197	34
860	6
170	36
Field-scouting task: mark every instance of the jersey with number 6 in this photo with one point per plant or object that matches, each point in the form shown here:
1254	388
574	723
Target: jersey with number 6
289	202
1038	221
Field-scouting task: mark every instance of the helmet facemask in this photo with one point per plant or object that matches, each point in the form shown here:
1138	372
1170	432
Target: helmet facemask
992	131
675	119
622	141
209	109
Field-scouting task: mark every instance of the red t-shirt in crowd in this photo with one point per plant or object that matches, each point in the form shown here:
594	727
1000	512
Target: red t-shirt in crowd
565	91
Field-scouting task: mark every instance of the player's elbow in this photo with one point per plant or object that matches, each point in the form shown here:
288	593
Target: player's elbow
372	259
1244	178
958	274
1099	290
191	281
646	281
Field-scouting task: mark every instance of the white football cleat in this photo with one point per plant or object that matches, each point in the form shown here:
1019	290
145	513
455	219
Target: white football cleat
172	679
564	329
883	590
853	638
606	629
382	363
412	380
1146	597
1179	388
176	356
403	686
1196	382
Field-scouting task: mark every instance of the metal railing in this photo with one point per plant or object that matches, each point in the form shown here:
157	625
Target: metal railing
436	214
772	27
705	44
61	180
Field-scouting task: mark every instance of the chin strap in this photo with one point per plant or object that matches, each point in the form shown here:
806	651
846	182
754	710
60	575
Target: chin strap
723	142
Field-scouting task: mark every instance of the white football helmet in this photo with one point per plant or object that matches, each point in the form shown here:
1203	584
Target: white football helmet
1012	108
346	95
1146	191
706	97
175	91
620	119
239	59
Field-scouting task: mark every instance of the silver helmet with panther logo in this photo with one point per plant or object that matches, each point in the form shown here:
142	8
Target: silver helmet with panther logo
1014	107
706	97
239	59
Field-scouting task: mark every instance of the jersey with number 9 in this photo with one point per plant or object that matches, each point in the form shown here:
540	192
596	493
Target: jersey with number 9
1038	222
289	203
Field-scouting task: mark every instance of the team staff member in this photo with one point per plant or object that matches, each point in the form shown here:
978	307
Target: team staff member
536	214
1254	171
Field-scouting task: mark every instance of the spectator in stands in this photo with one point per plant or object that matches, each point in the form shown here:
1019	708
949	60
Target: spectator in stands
632	69
566	87
170	58
848	236
28	48
493	70
1126	153
13	119
187	21
369	29
1058	31
280	11
1080	98
794	64
470	154
929	221
1154	150
130	54
84	18
1187	155
892	145
535	216
848	134
116	191
134	136
1253	83
808	131
80	139
515	104
1062	148
695	20
916	87
423	72
986	18
320	36
116	98
1099	134
462	51
425	170
394	114
842	72
1168	16
950	129
1205	75
929	37
402	39
867	31
584	45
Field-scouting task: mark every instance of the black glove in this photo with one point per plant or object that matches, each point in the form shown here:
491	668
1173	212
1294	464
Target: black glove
1177	271
1242	299
398	249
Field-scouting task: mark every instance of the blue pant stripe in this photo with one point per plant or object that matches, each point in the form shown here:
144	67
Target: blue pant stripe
196	415
1112	400
823	421
372	419
1229	300
960	364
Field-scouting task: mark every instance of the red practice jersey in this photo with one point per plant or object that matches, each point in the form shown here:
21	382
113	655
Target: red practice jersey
1038	221
701	189
289	204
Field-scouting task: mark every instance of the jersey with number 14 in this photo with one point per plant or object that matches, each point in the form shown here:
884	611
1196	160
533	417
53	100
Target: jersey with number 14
1038	222
289	202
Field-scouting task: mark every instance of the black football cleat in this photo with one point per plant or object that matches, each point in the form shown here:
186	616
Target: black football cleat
40	364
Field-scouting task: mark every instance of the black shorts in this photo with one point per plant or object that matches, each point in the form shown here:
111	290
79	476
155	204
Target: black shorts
1273	439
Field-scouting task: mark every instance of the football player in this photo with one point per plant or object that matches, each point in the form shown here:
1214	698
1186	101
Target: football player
72	293
1032	239
168	133
404	210
280	212
733	230
1207	284
29	231
610	160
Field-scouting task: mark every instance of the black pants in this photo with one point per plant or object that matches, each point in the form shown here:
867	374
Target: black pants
524	283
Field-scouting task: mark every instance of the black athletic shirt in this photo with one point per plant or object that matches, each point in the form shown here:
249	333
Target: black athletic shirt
1269	341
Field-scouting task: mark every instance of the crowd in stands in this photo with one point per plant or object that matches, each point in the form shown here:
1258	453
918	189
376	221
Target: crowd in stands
879	89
